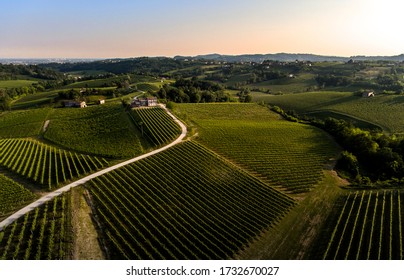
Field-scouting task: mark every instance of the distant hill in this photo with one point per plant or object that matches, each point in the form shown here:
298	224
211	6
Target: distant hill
287	57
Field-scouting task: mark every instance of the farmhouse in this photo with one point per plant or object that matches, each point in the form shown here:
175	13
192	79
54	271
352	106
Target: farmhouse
74	104
368	94
101	101
144	102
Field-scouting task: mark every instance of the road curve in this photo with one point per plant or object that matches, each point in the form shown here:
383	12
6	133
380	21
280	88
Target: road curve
81	181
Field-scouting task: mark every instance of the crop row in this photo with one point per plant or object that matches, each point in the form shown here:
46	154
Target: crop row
26	123
105	131
184	203
12	195
159	127
369	226
45	164
286	154
40	234
281	153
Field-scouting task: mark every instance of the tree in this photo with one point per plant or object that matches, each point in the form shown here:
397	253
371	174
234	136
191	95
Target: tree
5	100
348	163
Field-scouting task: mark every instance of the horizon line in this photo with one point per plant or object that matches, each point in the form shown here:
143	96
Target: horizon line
168	56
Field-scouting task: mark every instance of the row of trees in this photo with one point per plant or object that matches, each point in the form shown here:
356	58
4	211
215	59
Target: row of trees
193	91
368	156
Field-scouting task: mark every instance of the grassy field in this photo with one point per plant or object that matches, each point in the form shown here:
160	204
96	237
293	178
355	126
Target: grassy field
16	83
385	111
17	124
105	130
296	84
282	153
35	100
183	203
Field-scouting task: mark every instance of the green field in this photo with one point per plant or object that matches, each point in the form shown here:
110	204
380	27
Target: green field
12	195
183	203
17	124
41	234
385	111
147	87
299	83
289	155
16	83
156	125
105	130
367	225
35	100
43	164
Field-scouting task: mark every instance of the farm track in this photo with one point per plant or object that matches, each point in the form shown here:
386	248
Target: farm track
66	188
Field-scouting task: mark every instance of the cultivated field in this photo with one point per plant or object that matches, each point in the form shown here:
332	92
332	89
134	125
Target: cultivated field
12	195
184	203
282	153
384	111
156	125
45	164
41	234
17	124
105	130
16	83
368	225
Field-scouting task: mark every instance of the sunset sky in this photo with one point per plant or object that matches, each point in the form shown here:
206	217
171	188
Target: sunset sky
132	28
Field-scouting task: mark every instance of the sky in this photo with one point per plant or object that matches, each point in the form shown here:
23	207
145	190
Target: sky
133	28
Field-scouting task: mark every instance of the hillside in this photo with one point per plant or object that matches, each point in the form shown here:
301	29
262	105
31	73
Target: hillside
284	154
383	111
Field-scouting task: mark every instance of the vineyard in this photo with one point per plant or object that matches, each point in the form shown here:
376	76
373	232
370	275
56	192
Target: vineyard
368	226
40	235
183	203
282	153
12	195
383	110
156	124
44	164
19	124
147	87
100	130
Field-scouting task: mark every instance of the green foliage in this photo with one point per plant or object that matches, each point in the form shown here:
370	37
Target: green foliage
193	91
104	130
12	195
183	203
349	163
380	156
22	123
285	154
45	164
156	124
40	234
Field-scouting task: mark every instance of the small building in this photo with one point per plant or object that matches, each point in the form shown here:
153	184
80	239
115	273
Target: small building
101	101
144	102
74	104
368	94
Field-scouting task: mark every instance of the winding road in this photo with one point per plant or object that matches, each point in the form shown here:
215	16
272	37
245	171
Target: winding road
81	181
